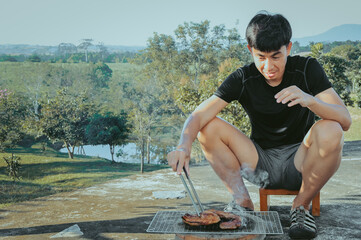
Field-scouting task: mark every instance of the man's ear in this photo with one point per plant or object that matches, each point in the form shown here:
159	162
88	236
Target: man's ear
289	46
249	48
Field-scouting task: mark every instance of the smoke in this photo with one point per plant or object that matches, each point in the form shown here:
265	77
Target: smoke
235	182
258	177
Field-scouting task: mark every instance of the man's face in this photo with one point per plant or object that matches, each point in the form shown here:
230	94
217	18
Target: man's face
271	64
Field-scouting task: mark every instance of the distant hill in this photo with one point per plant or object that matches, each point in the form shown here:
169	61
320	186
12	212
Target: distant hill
340	33
121	48
27	49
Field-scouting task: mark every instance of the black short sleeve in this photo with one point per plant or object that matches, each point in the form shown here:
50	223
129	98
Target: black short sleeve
316	77
231	88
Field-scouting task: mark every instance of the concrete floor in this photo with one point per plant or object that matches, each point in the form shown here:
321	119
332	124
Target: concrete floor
124	208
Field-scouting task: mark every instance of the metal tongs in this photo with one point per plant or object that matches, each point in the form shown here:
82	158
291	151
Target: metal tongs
190	192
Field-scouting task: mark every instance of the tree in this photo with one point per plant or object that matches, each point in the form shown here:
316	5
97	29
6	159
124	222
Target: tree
146	110
202	48
351	55
353	72
348	52
34	58
102	50
182	64
75	58
195	52
13	166
191	57
189	98
101	75
66	49
235	48
109	129
335	69
85	45
12	110
316	50
295	47
7	58
199	49
64	118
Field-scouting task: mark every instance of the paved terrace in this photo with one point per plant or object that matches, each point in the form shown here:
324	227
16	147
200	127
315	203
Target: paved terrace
123	208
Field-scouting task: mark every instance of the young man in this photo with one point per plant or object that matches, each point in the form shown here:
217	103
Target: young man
287	149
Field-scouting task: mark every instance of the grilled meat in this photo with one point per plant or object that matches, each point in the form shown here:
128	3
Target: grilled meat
206	218
232	224
226	220
229	220
224	215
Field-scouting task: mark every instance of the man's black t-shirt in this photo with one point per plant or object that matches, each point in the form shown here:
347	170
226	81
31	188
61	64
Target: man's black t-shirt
275	124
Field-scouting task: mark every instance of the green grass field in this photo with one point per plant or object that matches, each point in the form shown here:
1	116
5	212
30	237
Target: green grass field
354	133
52	172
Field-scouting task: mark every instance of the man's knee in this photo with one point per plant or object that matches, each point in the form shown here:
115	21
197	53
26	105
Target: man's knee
209	131
328	135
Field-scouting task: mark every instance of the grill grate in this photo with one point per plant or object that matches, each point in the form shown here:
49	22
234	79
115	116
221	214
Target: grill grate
267	222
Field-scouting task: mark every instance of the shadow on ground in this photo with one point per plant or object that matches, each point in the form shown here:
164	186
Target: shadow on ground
91	230
337	221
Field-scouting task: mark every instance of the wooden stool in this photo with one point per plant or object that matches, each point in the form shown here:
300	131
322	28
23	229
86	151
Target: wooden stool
265	193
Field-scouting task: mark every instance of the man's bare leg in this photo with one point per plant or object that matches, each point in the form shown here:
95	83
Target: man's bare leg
227	149
318	158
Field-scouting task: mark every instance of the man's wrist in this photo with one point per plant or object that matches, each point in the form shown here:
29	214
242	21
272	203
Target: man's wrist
181	150
312	102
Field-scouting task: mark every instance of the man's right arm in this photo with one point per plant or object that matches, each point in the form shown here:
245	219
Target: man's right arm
204	113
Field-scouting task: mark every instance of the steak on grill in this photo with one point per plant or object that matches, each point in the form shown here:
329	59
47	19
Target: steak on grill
226	220
206	218
232	224
229	220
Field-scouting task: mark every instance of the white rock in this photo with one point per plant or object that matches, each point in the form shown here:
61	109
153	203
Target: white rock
73	231
169	194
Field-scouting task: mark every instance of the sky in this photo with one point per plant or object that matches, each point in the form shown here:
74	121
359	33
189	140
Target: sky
133	22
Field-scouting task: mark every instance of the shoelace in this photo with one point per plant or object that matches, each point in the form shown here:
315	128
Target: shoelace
300	216
302	219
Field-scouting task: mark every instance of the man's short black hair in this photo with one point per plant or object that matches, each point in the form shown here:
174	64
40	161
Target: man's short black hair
268	32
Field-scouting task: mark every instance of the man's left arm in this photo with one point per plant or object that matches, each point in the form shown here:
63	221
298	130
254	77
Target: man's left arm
326	104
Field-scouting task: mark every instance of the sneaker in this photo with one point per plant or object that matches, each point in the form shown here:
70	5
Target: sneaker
303	224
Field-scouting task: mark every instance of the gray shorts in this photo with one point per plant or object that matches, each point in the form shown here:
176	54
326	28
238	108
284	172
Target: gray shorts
276	168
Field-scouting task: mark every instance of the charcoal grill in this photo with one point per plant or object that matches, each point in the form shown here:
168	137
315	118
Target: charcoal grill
267	222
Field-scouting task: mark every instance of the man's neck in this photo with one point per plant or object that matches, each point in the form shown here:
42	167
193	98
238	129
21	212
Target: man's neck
274	83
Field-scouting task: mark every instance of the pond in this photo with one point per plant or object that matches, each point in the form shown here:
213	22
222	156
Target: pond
130	153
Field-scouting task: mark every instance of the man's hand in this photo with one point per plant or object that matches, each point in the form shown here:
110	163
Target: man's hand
179	158
294	96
